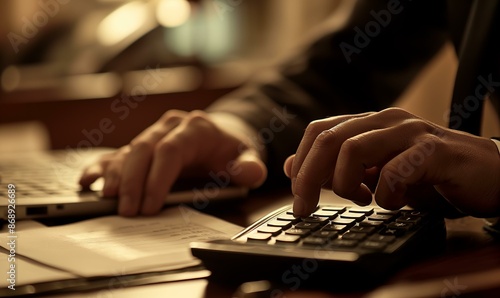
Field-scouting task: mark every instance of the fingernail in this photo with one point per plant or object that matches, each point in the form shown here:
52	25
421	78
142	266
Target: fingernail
299	207
293	184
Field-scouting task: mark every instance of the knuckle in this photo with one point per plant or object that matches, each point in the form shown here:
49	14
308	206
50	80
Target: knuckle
416	125
172	116
325	138
352	146
314	128
167	147
395	112
141	146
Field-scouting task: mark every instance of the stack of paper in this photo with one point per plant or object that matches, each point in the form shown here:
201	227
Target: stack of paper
112	246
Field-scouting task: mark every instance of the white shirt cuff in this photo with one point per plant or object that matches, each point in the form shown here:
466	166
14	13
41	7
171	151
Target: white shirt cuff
497	142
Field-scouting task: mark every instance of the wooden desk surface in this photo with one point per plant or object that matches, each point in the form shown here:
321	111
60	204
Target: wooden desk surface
470	265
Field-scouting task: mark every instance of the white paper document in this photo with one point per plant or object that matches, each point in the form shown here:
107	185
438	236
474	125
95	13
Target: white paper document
114	245
28	271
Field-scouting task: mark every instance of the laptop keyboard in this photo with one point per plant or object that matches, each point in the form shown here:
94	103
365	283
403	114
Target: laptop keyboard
38	179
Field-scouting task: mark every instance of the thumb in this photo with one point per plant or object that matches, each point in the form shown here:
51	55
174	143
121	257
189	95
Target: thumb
249	170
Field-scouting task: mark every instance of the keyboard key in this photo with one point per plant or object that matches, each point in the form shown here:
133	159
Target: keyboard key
314	241
295	231
326	234
382	238
259	236
344	221
374	245
362	229
271	230
307	225
287	238
336	228
354	236
344	243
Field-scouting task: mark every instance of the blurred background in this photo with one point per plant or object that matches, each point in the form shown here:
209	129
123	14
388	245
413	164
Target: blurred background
69	64
73	68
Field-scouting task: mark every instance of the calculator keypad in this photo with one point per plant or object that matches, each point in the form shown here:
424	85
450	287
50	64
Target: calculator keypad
366	228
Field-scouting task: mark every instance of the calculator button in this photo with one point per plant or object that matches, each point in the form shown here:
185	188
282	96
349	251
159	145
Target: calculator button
295	231
325	213
354	236
344	221
334	227
314	241
288	217
259	236
353	215
362	229
371	223
380	217
344	243
409	219
392	232
279	223
315	219
400	226
382	238
374	245
326	234
333	208
271	230
287	238
307	225
364	210
414	213
386	212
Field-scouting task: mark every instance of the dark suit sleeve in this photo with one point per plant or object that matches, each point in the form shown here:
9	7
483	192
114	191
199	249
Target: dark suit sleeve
341	73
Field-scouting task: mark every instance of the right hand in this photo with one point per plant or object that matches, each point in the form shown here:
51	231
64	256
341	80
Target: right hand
179	144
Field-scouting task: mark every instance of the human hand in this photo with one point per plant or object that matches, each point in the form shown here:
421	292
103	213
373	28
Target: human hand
397	151
180	143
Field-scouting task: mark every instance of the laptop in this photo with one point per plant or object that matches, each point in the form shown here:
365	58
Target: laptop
45	185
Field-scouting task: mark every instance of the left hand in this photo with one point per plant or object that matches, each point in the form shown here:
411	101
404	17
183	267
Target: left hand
398	151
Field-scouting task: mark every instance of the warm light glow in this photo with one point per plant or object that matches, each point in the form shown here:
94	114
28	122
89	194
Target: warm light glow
122	22
173	13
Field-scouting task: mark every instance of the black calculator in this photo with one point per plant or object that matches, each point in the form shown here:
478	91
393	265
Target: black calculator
335	247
